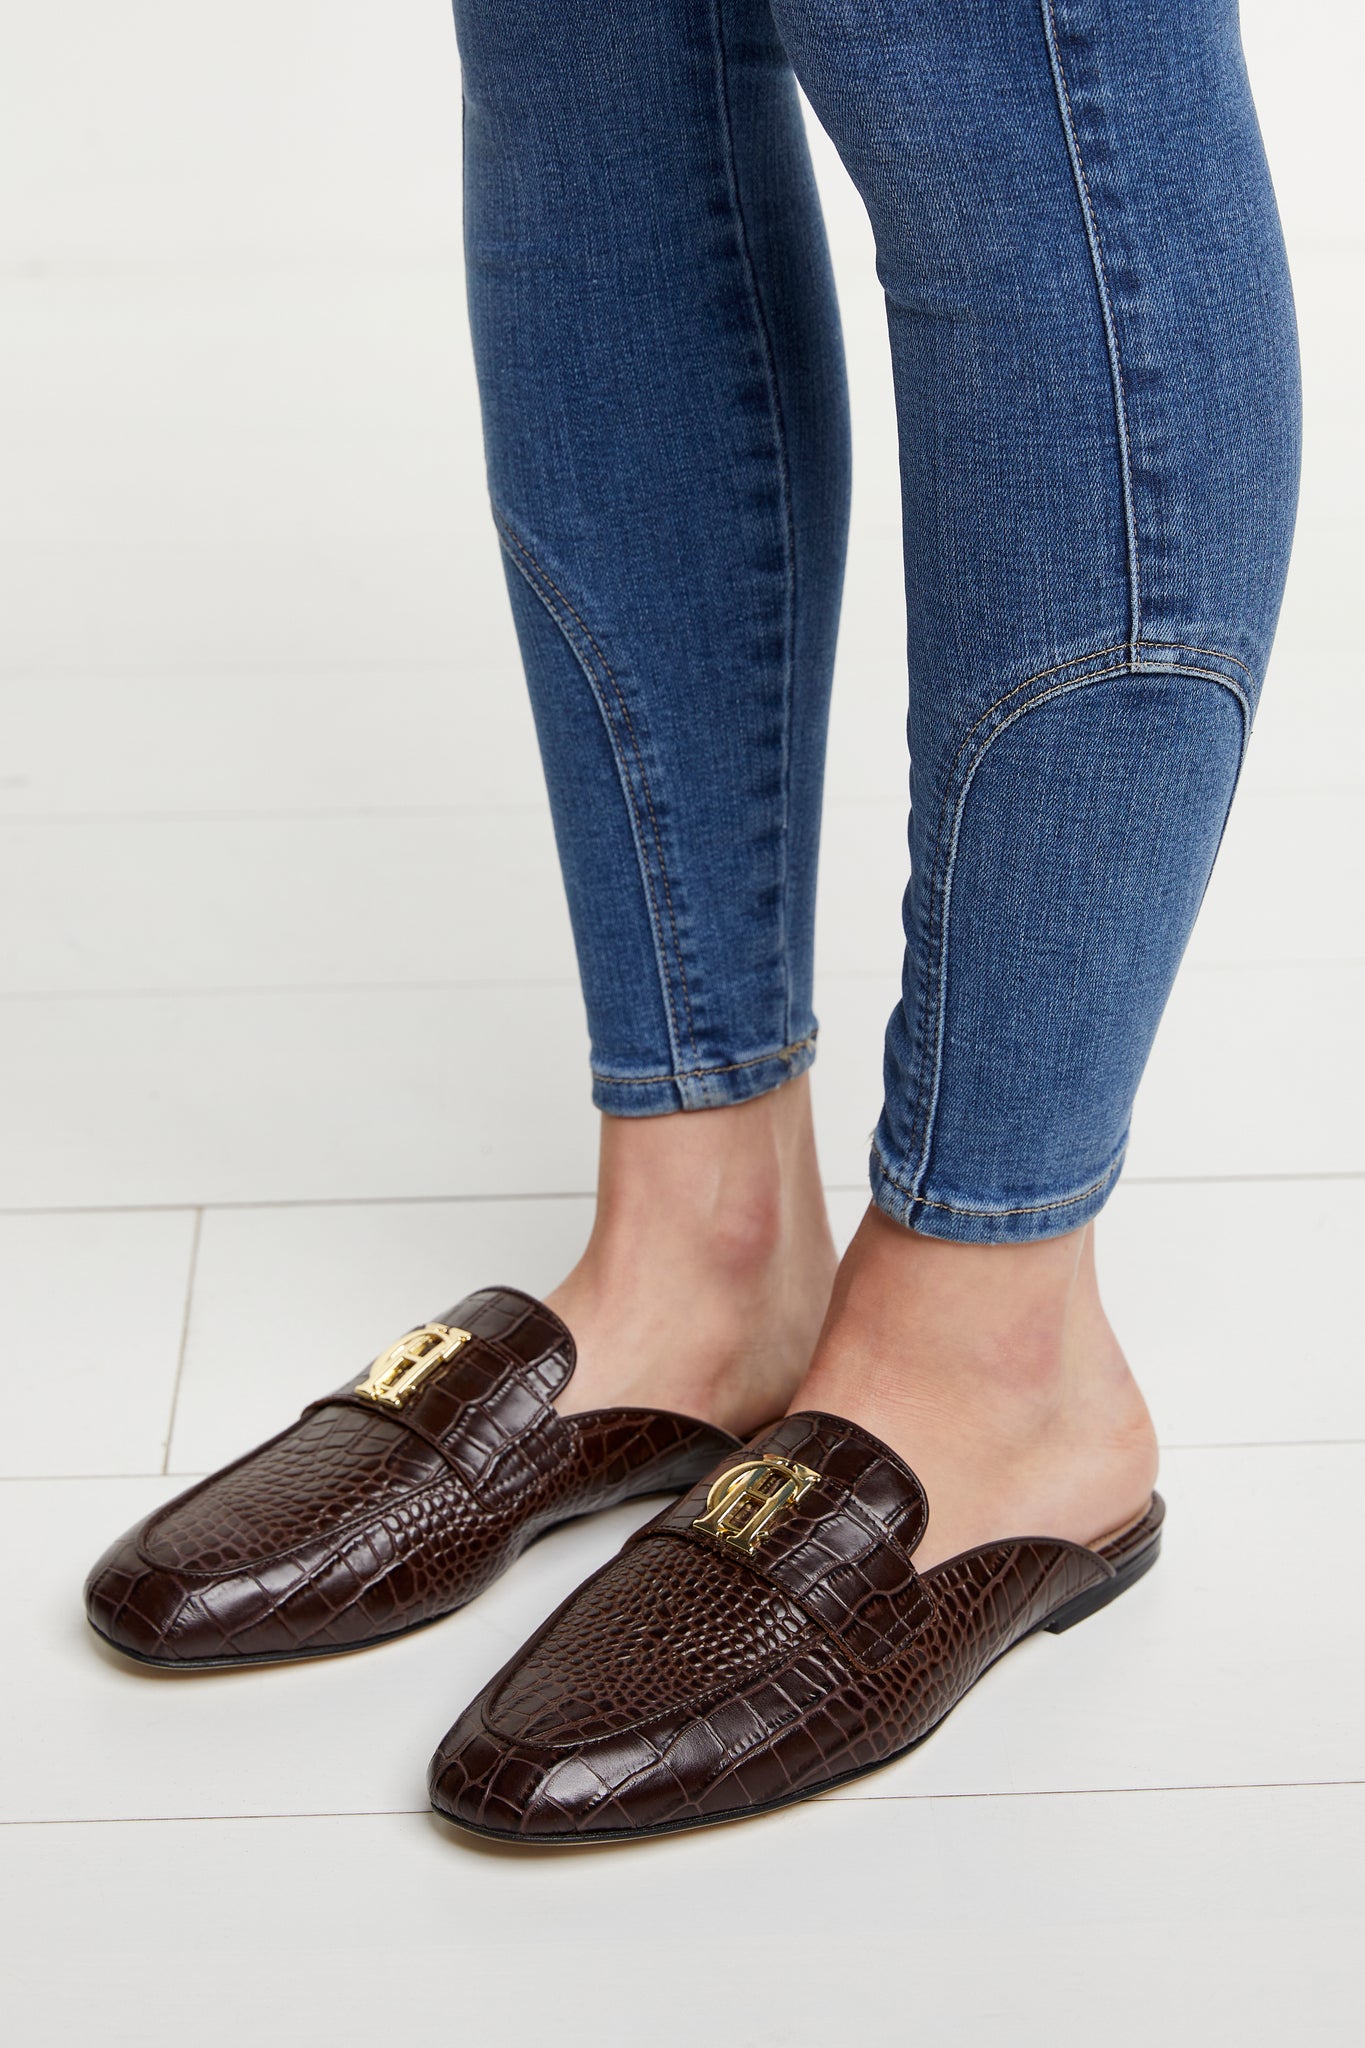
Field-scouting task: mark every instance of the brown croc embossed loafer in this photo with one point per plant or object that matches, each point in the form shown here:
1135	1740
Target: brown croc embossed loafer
390	1502
763	1639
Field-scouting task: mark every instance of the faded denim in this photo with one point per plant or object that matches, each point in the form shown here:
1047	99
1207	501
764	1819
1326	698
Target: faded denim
1096	382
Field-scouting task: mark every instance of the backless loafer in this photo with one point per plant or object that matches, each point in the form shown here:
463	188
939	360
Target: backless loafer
389	1502
765	1638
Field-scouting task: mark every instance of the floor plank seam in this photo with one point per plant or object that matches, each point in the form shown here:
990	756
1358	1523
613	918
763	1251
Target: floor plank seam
141	1820
195	1240
1305	1177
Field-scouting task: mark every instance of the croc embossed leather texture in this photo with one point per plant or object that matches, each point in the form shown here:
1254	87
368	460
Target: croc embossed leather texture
391	1501
764	1638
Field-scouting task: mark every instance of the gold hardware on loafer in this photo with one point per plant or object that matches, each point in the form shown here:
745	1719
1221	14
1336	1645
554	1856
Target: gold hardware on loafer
744	1502
401	1369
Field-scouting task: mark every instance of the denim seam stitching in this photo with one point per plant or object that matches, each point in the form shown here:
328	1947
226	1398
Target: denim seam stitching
1025	1209
936	918
769	359
1120	394
933	922
1182	647
761	1059
507	534
934	1003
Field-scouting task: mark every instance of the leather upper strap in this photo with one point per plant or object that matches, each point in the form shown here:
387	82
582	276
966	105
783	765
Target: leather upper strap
488	1407
842	1548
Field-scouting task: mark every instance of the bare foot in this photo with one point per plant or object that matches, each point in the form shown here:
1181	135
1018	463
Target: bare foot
993	1371
708	1272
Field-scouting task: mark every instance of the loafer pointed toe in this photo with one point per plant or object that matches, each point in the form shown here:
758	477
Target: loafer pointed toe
391	1502
765	1638
133	1605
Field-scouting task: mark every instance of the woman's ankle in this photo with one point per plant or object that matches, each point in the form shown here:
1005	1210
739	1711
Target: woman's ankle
995	1372
1017	1322
705	1281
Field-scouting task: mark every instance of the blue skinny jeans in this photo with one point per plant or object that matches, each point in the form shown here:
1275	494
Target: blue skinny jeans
1096	383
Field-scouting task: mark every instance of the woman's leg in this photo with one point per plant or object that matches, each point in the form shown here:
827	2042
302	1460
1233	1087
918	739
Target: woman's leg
1095	367
1094	359
666	429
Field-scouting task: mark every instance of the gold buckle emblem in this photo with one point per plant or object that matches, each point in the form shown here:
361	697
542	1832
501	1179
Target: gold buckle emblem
746	1500
401	1369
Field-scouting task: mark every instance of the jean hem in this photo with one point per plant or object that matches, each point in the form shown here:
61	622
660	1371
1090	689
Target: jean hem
960	1222
702	1087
